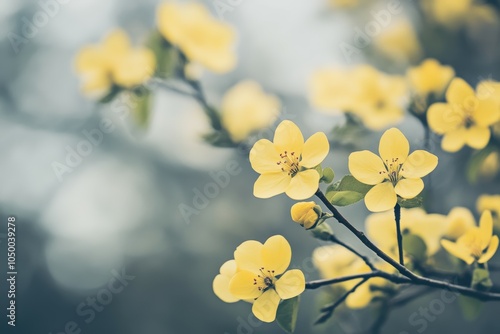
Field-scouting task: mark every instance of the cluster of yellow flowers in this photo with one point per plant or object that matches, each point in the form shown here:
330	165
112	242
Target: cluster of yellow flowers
258	274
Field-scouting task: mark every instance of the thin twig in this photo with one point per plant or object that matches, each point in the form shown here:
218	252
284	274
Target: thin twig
397	216
334	239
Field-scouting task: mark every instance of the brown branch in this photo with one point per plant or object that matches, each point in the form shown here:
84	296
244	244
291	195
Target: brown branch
397	216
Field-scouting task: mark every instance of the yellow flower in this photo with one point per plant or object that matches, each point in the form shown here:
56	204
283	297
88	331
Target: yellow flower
286	163
477	244
331	89
203	39
399	42
393	173
489	202
459	221
430	77
464	119
262	276
114	62
381	228
305	213
335	261
221	282
246	108
448	12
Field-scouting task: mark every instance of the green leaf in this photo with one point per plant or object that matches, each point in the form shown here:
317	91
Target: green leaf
328	175
167	57
481	278
471	307
287	314
142	103
414	246
410	203
346	191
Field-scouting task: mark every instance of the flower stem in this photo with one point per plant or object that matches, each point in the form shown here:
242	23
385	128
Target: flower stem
397	216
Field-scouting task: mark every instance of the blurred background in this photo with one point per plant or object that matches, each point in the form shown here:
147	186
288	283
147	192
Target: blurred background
116	211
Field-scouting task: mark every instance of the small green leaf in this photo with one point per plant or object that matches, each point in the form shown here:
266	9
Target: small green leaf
328	175
287	314
414	246
344	198
471	307
346	191
410	203
481	278
166	55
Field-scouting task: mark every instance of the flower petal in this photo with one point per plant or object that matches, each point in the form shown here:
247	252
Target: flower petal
288	137
248	256
419	164
221	289
242	285
276	254
291	284
266	306
272	184
492	248
409	188
459	221
366	167
303	185
458	251
486	112
229	268
381	197
264	157
454	140
459	91
485	228
444	117
478	137
315	150
393	147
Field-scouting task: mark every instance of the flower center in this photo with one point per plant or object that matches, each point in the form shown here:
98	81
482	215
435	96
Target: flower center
265	280
473	241
469	105
289	163
393	167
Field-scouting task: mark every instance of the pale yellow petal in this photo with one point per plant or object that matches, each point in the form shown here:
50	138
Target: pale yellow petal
492	248
419	164
409	188
116	42
360	298
269	185
264	158
459	221
248	256
478	137
220	286
454	140
303	185
315	150
276	254
229	268
486	113
393	147
381	197
485	228
443	117
266	306
459	91
288	137
291	284
458	251
242	285
367	167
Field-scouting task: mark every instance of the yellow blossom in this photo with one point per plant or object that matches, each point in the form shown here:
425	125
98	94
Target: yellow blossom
114	62
464	119
203	39
332	89
262	276
335	261
381	228
459	221
246	108
477	244
286	164
448	12
399	42
430	77
394	173
489	202
305	213
221	282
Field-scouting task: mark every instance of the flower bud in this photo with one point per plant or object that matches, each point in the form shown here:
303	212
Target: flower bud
306	214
